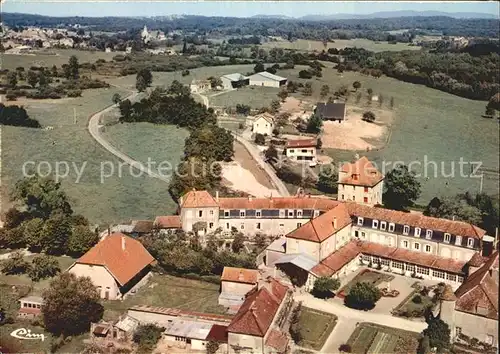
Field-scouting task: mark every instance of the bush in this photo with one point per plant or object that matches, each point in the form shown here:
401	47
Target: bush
345	348
185	72
74	93
417	299
10	97
147	336
43	266
362	296
260	139
15	264
305	74
369	116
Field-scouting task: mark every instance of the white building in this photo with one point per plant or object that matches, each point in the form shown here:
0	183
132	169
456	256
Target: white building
263	124
232	81
266	79
301	150
360	182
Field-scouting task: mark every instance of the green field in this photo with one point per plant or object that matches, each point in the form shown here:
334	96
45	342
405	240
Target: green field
315	327
118	198
307	45
169	291
255	97
372	338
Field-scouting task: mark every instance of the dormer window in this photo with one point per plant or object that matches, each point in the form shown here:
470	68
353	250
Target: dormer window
355	177
282	213
383	225
406	230
470	242
428	234
258	213
391	227
242	213
417	231
290	213
375	224
226	213
447	237
299	213
458	241
360	221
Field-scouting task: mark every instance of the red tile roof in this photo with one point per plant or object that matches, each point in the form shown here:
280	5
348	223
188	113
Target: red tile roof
417	220
240	275
266	116
218	333
123	256
477	260
324	226
198	199
480	290
257	312
338	259
168	222
301	143
361	173
184	313
299	202
277	340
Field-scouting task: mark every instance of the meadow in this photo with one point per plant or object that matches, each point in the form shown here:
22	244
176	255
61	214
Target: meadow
308	45
119	198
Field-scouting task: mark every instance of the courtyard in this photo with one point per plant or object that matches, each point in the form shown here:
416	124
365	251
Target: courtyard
315	327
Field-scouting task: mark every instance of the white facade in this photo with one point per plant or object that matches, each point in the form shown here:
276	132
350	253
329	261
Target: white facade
105	283
263	126
301	153
266	79
227	84
368	195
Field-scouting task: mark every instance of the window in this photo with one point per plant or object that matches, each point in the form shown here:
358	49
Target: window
366	189
418	230
304	151
354	198
460	279
422	270
282	213
458	331
428	248
211	225
451	277
299	224
299	213
428	234
458	241
200	213
227	226
405	244
342	197
416	246
291	151
391	227
384	262
226	213
290	213
397	265
242	213
258	226
356	233
470	242
410	267
242	226
383	225
282	225
360	221
447	237
316	213
366	258
438	274
375	224
365	200
406	230
258	213
363	235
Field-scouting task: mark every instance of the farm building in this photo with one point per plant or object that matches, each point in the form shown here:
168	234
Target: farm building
301	150
263	124
331	111
267	79
235	284
31	307
168	224
231	81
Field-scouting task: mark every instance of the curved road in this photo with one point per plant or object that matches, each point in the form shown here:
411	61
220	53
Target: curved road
93	127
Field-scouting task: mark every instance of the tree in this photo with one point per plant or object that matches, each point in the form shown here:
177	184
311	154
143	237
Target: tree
215	82
14	218
55	233
369	116
15	264
260	139
283	94
81	240
325	90
314	124
356	85
12	79
369	91
33	235
43	81
380	100
319	144
305	74
176	88
212	347
43	266
275	106
328	180
184	46
140	84
147	336
308	91
392	103
324	286
401	188
438	333
424	346
362	296
71	303
146	76
116	98
72	71
32	78
295	324
259	67
271	153
238	242
282	119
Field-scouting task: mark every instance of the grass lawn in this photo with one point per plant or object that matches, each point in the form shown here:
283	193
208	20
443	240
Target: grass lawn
315	327
307	45
118	198
253	96
372	338
366	276
428	125
25	346
170	291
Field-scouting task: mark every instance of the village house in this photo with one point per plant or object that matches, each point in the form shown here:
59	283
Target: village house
31	307
301	150
116	265
233	81
360	182
235	284
335	111
167	224
266	79
263	124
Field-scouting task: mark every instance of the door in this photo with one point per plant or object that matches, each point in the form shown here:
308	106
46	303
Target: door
106	295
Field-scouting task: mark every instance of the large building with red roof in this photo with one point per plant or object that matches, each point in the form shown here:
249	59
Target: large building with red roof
361	182
115	265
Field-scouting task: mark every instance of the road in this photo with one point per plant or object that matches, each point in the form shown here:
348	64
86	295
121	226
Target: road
93	127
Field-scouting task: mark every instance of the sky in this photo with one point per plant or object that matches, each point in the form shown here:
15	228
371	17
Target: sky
235	9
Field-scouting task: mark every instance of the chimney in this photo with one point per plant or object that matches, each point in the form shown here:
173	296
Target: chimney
217	196
123	243
335	222
249	198
180	201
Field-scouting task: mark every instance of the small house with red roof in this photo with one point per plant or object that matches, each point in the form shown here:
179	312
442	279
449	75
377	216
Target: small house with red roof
115	265
360	182
301	150
199	212
235	284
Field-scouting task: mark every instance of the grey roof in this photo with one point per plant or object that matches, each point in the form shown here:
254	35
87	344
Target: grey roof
331	110
235	77
35	299
301	260
188	329
268	76
277	245
127	324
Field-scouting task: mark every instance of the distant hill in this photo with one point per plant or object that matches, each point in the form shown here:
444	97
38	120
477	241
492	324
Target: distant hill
279	17
392	14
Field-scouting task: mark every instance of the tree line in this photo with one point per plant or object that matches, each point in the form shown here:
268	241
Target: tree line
17	117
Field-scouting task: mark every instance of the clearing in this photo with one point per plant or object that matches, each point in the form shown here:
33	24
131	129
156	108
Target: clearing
307	45
372	338
315	327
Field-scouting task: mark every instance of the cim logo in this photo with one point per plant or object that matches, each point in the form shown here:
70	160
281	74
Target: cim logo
23	333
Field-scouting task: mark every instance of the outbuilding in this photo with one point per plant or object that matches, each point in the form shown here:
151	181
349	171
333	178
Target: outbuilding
267	79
